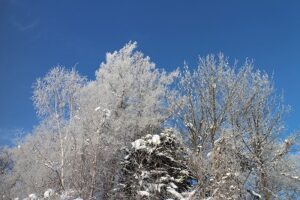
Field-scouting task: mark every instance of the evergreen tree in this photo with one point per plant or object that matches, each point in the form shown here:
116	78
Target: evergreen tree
155	167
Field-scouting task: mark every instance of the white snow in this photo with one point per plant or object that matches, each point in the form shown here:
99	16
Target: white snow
212	126
218	140
107	112
209	154
67	194
33	196
145	174
143	193
163	178
173	185
186	172
98	108
255	194
237	173
138	144
188	195
215	191
286	141
190	125
175	193
48	193
156	139
155	187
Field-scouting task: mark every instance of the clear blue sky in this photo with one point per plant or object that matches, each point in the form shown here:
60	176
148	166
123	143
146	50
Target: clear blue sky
36	35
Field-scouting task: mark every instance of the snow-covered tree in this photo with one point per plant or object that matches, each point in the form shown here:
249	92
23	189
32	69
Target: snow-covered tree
155	167
128	97
42	159
134	90
218	99
55	98
7	180
57	93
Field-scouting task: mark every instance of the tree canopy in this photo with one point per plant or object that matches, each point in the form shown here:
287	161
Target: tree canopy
214	131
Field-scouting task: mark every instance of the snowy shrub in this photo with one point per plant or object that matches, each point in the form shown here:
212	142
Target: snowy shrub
155	167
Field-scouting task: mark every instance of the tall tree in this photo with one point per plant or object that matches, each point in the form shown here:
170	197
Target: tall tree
239	109
127	98
55	98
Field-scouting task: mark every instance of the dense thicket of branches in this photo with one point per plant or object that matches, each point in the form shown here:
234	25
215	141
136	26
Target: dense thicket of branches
230	117
155	167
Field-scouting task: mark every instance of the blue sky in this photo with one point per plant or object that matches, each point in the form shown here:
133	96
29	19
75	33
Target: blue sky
36	35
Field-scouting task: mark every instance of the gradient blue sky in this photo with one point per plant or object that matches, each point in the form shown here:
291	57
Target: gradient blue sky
36	35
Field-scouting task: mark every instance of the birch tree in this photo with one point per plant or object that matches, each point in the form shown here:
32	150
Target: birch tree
55	99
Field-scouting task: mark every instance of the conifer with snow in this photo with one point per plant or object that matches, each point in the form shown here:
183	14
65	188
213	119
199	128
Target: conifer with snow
155	167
